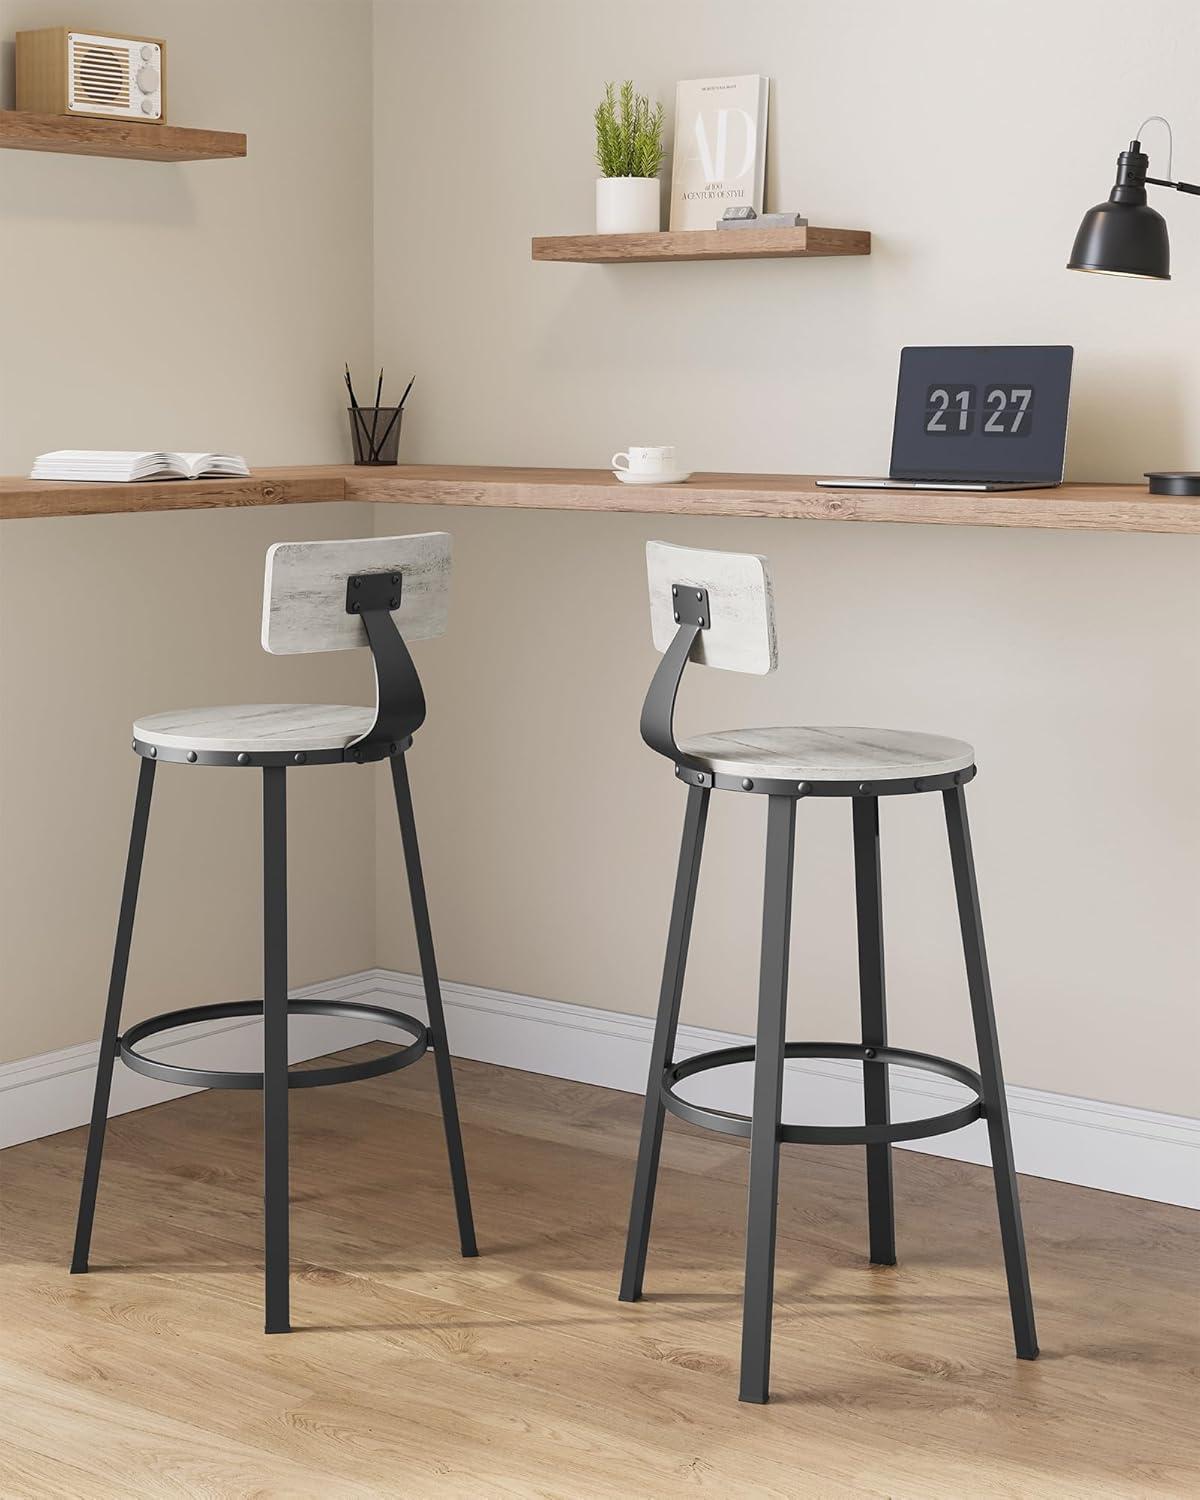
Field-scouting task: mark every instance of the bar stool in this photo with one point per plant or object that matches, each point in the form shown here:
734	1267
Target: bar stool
716	608
318	596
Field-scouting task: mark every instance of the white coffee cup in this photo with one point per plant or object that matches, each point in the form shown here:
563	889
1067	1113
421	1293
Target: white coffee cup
646	460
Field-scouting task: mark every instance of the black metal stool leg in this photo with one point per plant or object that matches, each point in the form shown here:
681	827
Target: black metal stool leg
758	1297
433	998
112	1018
275	1049
662	1051
869	902
994	1102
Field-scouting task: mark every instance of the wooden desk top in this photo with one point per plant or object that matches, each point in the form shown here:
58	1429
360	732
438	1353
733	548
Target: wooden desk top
1083	507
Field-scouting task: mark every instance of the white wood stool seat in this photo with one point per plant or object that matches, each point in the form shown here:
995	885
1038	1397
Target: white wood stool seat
834	753
256	727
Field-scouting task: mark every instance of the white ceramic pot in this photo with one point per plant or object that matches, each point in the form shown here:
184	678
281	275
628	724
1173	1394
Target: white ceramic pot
627	205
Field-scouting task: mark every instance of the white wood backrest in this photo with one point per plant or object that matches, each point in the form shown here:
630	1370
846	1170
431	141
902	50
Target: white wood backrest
741	635
304	595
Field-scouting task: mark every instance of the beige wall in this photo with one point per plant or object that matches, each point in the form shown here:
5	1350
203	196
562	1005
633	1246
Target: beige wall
969	139
193	305
969	142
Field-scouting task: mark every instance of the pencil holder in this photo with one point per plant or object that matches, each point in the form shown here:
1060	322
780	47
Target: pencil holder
375	431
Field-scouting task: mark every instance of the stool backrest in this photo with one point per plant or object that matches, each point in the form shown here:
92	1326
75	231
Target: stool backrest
740	636
304	596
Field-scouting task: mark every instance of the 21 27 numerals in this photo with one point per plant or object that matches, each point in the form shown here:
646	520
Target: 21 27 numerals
1006	411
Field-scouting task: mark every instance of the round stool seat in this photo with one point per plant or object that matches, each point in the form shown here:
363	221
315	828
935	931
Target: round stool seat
256	727
835	753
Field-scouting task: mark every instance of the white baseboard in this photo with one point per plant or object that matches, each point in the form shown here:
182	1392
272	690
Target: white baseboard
52	1092
1138	1152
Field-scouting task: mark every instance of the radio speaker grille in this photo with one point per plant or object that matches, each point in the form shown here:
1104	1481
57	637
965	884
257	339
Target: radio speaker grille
100	75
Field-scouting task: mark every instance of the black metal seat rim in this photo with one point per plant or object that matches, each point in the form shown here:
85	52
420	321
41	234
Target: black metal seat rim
763	786
362	753
728	1123
303	1078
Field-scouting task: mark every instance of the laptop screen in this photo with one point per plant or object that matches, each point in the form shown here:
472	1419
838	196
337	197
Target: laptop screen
995	413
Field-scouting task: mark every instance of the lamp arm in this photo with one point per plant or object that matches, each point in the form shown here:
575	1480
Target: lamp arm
1181	187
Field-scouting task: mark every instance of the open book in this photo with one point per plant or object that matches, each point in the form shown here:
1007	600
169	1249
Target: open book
117	466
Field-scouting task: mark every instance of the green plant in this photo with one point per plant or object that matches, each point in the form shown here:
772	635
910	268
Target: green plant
628	133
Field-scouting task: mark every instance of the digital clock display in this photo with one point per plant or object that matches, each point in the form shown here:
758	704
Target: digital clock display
988	413
1005	410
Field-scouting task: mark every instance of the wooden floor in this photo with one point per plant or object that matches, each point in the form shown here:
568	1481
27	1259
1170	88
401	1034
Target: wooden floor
416	1374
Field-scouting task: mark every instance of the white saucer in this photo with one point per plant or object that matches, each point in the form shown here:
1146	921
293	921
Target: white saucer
664	476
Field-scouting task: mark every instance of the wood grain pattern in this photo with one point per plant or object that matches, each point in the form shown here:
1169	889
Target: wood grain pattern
304	595
76	135
256	727
40	70
414	1373
1089	507
30	499
828	753
1068	507
702	244
740	636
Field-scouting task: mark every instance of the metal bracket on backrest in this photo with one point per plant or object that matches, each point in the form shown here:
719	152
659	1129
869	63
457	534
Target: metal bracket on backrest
689	605
399	699
366	591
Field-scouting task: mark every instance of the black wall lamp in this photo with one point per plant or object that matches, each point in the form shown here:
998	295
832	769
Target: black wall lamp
1125	236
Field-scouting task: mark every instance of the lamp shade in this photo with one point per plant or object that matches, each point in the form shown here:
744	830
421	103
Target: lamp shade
1123	239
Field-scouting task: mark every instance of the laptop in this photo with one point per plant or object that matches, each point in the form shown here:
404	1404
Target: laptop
978	418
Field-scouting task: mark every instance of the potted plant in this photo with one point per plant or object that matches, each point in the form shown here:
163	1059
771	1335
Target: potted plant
629	153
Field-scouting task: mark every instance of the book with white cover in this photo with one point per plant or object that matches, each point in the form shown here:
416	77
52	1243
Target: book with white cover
720	157
121	466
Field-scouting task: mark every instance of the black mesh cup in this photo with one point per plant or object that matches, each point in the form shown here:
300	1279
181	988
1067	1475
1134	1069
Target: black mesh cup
375	431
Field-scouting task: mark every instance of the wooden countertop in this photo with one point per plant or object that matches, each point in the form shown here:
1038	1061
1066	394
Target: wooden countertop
1083	507
28	499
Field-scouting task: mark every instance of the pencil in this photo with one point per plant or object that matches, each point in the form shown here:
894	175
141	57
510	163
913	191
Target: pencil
395	417
375	416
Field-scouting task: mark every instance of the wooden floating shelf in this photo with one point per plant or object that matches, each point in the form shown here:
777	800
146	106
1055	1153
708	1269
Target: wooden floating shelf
1068	507
702	244
73	135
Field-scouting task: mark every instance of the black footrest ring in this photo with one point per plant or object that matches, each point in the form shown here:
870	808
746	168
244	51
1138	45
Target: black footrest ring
303	1078
728	1123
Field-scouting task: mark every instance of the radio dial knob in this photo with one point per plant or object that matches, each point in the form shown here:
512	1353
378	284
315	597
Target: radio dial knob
148	106
147	80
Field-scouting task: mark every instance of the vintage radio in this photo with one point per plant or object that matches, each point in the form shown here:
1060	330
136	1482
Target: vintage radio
64	72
